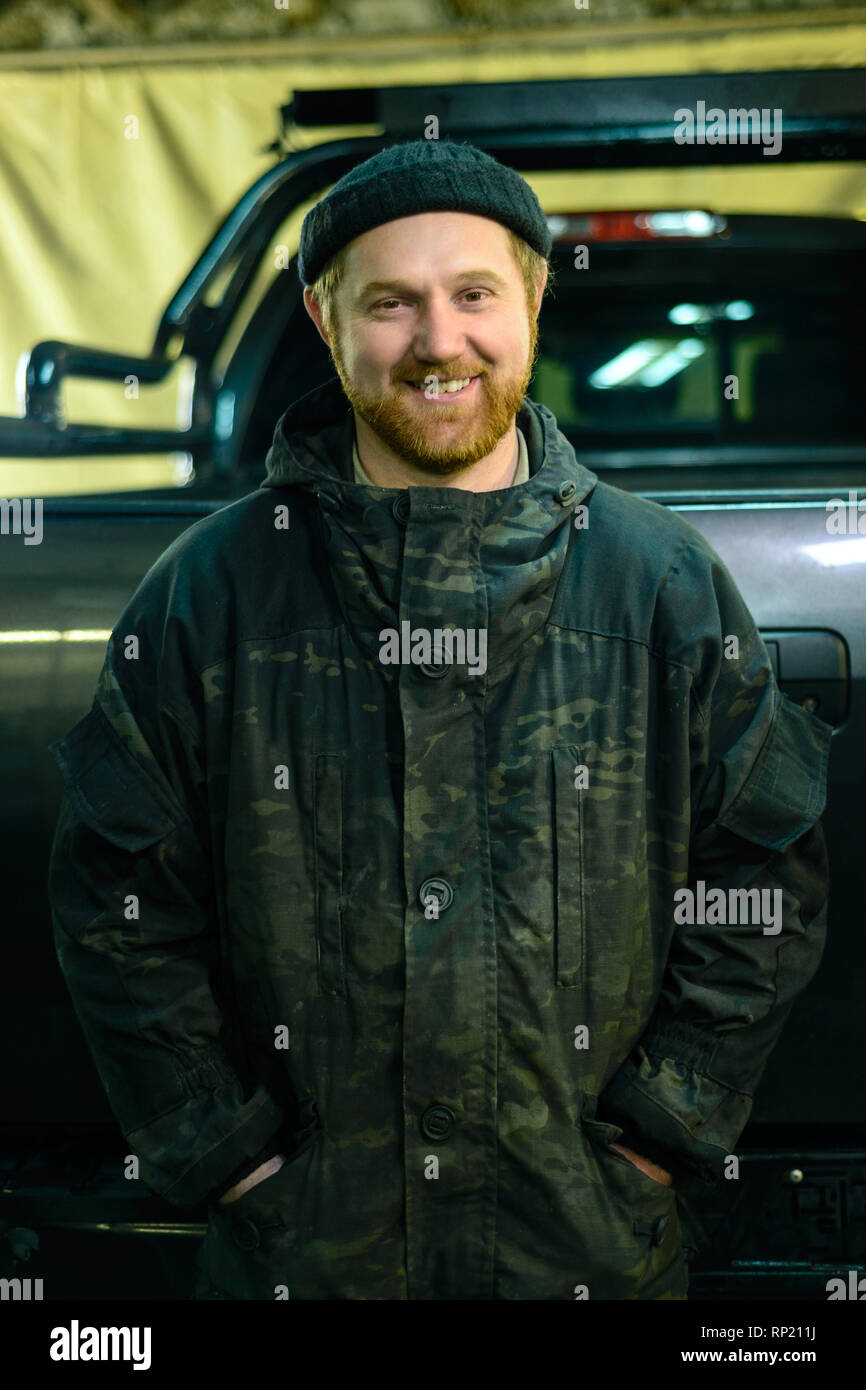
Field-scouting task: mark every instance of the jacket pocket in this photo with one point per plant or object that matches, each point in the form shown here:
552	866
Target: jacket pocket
569	910
601	1135
109	790
260	1243
268	1192
328	839
785	791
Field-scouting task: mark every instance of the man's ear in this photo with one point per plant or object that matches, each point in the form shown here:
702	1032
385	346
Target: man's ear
540	292
314	309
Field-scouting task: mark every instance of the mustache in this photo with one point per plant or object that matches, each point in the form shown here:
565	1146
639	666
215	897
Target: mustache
441	375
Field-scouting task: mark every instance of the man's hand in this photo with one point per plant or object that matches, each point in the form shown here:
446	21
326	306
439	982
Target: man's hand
652	1170
271	1165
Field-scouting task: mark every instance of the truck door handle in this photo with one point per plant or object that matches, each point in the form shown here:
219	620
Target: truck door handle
812	667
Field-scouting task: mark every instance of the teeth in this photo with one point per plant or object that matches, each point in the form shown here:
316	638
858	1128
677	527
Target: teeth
447	385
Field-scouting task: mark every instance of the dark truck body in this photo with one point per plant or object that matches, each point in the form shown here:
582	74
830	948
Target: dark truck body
757	489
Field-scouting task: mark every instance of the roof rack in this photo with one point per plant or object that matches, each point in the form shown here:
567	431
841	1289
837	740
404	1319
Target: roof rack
615	120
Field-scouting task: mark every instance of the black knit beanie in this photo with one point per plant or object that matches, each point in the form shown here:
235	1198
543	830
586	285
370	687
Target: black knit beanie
421	176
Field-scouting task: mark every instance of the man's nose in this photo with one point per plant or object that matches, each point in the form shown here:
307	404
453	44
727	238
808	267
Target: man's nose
439	334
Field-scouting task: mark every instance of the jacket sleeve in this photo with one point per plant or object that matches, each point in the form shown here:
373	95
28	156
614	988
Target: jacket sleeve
131	887
758	785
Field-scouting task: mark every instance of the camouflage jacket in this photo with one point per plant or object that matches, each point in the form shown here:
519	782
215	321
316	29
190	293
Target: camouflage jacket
418	924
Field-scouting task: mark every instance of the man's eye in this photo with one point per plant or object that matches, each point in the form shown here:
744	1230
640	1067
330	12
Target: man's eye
384	303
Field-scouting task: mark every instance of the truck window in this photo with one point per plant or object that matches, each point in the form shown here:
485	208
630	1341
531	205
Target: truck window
662	346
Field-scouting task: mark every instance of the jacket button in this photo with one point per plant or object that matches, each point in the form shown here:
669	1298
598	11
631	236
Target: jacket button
400	507
434	669
658	1231
245	1234
439	889
437	1122
566	493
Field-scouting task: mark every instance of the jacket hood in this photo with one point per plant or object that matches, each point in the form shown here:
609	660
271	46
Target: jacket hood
313	442
435	555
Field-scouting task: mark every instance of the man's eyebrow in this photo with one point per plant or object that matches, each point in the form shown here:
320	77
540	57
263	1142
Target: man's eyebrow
403	286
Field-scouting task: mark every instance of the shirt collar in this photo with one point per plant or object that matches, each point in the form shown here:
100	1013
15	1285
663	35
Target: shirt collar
521	472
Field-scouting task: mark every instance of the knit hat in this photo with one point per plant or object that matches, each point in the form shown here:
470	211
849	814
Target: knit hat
420	176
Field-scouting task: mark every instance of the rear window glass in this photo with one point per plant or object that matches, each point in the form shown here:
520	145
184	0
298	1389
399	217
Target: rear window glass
660	345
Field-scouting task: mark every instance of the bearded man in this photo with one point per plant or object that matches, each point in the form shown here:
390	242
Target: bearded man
403	995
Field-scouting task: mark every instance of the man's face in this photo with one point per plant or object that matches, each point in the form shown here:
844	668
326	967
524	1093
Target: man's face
438	294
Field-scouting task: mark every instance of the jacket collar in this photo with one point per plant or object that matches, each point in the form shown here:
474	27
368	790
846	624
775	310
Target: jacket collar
394	552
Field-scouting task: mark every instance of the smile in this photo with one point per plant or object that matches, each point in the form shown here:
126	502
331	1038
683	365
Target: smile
451	390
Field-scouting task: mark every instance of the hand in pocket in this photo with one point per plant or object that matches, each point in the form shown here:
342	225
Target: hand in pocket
265	1170
652	1170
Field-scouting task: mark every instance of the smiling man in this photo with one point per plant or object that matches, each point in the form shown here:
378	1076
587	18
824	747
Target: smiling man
436	363
381	959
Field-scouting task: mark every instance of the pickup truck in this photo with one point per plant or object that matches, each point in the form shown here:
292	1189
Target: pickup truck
704	357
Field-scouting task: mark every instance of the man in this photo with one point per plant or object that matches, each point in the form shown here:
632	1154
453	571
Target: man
372	881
